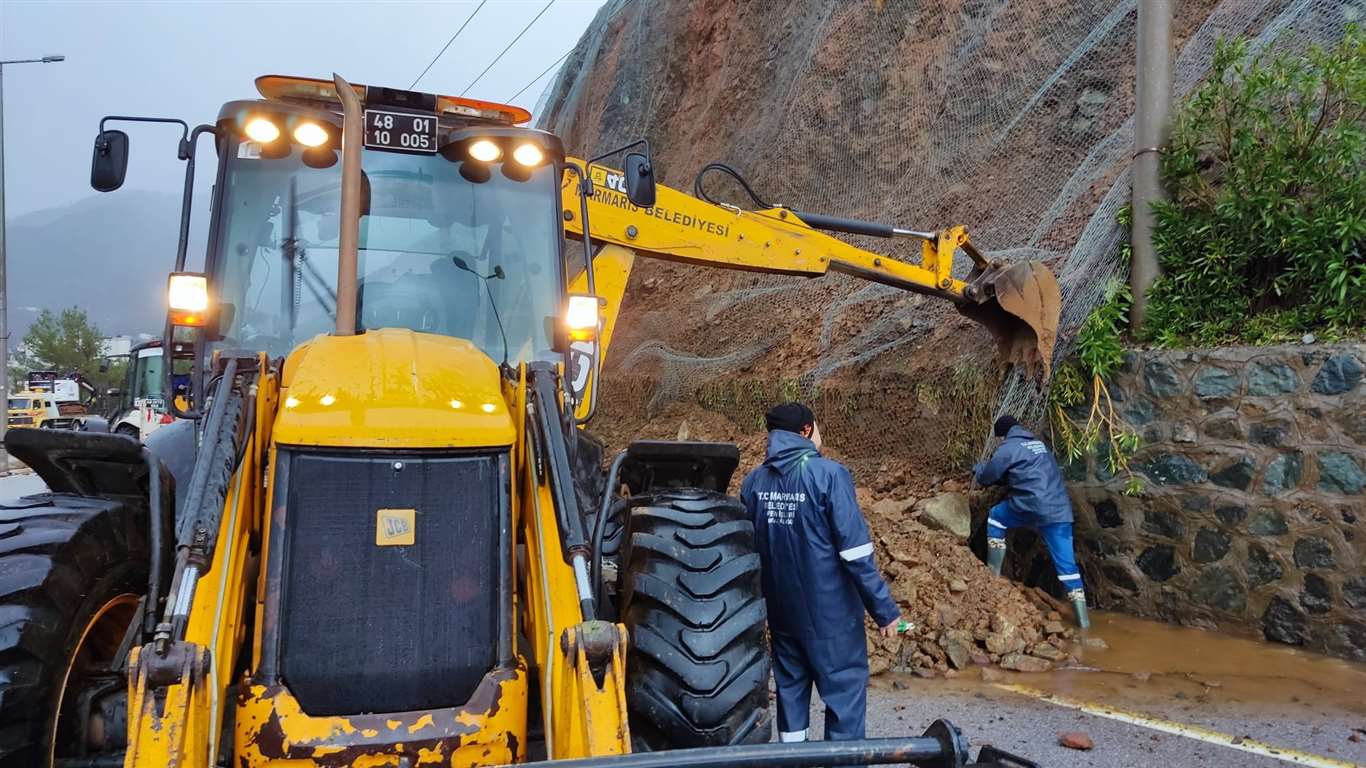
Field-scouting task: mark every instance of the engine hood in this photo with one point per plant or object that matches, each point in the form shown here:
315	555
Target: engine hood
392	388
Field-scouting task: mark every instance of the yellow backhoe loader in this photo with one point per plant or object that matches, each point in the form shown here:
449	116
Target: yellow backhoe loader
378	533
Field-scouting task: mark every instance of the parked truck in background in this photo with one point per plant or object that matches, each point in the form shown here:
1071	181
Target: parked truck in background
51	401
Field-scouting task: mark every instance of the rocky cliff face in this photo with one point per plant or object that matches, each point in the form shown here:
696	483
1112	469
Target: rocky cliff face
1009	117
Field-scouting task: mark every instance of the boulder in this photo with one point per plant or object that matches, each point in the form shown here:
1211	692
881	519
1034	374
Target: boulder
948	512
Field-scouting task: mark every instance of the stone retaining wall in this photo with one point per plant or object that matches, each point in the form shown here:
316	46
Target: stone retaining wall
1252	516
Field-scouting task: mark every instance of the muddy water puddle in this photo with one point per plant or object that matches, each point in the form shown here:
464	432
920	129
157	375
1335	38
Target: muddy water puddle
1150	663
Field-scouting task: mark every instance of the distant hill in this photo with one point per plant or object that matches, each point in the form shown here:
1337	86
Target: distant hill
108	254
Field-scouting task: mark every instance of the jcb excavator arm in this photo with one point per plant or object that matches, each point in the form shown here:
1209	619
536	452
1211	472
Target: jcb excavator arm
1019	303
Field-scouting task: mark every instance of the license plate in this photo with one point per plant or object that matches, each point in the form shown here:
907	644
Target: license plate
400	132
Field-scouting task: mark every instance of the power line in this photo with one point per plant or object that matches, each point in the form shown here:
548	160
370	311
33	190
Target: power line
508	48
447	45
560	60
538	77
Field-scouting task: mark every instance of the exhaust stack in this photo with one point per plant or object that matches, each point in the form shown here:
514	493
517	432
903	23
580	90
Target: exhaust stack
348	247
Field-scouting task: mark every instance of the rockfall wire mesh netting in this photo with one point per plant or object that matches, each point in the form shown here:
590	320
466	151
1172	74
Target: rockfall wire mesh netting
1013	117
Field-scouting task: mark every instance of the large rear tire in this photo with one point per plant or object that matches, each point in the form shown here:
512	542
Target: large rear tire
71	573
697	670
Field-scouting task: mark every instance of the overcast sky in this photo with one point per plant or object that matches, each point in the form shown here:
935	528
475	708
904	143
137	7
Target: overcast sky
184	59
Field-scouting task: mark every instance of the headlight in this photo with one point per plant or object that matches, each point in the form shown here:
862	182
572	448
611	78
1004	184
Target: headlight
310	134
485	151
261	130
187	297
528	155
581	317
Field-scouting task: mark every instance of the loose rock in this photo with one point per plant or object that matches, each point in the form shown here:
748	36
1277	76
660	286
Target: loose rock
948	512
1022	663
1076	740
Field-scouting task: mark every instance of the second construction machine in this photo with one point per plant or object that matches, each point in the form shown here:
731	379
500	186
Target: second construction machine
375	537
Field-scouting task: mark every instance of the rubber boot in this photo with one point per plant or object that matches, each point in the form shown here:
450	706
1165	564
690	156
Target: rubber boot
1078	598
996	554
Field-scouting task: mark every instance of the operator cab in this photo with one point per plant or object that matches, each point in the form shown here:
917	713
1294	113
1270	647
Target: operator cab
459	231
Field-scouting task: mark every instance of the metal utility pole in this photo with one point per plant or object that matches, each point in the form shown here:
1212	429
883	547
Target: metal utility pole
4	302
1153	94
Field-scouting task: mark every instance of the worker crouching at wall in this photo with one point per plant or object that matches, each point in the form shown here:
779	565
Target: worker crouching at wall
818	575
1037	499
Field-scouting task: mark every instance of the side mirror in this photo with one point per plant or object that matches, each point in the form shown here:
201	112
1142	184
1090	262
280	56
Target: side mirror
640	180
109	163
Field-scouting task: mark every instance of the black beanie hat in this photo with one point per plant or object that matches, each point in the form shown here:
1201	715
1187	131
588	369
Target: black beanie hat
793	417
1004	424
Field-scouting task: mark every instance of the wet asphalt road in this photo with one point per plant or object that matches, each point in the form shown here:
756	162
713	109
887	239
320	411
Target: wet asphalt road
1029	727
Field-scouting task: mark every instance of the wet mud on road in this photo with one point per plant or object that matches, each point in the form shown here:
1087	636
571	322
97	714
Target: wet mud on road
1158	695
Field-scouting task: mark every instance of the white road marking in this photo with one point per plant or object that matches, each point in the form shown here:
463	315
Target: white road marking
1180	729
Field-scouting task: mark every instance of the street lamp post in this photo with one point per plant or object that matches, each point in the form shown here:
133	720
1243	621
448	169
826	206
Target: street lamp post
4	302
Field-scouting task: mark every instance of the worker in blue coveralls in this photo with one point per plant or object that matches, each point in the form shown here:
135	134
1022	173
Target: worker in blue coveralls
818	575
1036	499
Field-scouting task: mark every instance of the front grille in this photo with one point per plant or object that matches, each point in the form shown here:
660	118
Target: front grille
370	628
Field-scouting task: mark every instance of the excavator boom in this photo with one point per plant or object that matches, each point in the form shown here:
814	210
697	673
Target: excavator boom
1019	303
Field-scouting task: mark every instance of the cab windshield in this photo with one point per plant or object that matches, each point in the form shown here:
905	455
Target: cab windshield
144	380
446	247
19	405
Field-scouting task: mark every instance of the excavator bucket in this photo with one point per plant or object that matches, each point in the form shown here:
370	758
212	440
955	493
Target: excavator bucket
1021	308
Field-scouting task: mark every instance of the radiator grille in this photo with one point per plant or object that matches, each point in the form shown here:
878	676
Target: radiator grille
370	628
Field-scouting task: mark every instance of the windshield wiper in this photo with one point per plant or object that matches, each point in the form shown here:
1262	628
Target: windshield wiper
498	274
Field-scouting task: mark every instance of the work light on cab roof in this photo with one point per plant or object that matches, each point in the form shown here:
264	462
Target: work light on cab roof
394	119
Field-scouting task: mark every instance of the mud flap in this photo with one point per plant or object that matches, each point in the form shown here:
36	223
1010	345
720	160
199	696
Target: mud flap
81	463
652	464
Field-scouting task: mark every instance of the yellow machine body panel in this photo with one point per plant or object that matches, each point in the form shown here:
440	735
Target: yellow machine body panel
392	388
681	227
581	716
272	730
184	729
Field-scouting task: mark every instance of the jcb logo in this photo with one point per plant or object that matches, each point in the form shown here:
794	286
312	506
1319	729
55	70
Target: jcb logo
615	181
395	527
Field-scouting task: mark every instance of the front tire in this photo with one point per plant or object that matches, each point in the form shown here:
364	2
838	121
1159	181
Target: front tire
697	669
71	574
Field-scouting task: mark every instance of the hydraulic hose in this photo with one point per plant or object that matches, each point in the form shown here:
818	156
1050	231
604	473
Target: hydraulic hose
600	524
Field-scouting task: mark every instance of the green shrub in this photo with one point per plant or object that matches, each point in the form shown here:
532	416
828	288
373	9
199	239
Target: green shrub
1264	235
1100	341
1081	414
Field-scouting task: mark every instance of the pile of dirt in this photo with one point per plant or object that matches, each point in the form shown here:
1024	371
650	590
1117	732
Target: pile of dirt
961	613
